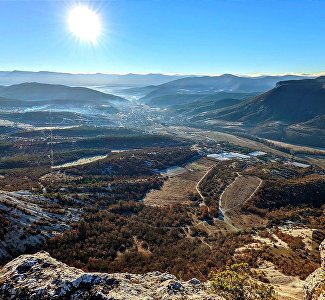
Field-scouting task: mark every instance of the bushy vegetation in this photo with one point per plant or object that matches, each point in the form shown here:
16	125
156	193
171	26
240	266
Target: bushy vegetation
279	193
294	242
285	187
239	282
120	234
137	162
130	237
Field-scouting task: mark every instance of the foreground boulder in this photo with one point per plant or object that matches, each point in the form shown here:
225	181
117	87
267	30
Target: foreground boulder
40	276
315	283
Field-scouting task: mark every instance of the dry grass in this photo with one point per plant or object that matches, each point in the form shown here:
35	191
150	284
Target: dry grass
177	188
239	191
298	148
286	287
233	198
306	234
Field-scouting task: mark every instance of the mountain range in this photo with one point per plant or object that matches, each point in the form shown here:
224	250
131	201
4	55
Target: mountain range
15	77
191	89
292	111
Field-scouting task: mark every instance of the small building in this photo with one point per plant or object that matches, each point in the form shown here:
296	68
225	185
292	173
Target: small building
228	156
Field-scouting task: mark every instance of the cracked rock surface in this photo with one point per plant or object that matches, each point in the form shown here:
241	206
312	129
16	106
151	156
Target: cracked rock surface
39	276
315	283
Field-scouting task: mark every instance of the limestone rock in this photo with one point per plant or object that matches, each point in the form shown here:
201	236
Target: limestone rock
40	276
315	283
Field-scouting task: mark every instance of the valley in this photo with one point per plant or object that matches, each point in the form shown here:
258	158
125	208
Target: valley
119	184
162	150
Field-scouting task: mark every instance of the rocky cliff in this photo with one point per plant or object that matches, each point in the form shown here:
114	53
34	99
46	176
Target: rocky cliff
39	276
315	283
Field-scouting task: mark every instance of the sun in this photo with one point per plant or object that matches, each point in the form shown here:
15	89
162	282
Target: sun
84	23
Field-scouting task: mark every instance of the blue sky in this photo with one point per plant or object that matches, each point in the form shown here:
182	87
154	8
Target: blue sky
168	36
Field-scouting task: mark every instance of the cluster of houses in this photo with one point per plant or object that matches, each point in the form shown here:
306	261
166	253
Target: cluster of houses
252	155
235	155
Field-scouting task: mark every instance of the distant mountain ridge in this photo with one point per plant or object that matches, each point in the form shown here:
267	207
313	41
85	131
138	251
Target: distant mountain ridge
229	82
33	91
16	77
182	88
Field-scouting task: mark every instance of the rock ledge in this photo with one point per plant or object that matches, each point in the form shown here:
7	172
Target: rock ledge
40	276
315	283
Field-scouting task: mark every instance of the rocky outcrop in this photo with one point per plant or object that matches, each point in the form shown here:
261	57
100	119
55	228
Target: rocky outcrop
31	220
315	283
40	276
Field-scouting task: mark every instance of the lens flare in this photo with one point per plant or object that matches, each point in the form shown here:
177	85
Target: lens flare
84	23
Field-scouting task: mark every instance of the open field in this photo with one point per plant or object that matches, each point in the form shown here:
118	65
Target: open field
298	147
217	136
233	198
177	188
238	192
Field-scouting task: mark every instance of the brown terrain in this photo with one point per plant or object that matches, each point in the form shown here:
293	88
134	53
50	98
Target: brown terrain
241	190
177	188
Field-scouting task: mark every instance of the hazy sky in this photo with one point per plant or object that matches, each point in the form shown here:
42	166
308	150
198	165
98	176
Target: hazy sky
171	36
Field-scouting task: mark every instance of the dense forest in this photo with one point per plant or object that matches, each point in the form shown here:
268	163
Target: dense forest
130	237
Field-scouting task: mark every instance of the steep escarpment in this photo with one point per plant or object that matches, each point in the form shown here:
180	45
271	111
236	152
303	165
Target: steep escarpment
290	102
293	111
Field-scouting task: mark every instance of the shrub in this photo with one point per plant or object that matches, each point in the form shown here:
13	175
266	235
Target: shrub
238	282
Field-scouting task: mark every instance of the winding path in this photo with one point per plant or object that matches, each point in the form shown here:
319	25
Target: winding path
238	193
199	182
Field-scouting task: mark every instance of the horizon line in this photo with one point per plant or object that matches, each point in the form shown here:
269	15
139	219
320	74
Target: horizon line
316	74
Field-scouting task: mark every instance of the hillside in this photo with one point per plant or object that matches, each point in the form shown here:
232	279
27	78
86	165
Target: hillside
289	102
10	103
33	91
285	112
196	100
212	85
34	220
205	103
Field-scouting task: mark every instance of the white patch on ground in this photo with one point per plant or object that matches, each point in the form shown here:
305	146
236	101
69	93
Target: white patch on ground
81	161
173	171
15	124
